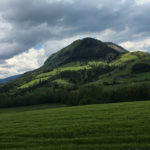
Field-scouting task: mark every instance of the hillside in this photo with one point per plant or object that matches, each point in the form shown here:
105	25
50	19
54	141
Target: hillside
75	56
120	126
80	68
85	50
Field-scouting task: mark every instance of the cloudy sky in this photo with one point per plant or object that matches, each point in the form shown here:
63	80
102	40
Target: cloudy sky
31	30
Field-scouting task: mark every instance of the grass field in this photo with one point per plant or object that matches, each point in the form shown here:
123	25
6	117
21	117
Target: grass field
120	126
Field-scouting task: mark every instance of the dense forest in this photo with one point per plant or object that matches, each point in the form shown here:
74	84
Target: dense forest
82	96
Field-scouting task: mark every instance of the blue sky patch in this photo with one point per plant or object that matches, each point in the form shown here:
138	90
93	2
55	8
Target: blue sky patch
37	47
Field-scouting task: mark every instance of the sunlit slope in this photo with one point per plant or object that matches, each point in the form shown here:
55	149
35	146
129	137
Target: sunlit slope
120	72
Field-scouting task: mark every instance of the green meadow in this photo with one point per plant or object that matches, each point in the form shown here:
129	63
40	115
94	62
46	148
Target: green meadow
118	126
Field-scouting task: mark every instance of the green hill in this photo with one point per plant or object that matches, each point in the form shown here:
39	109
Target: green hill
79	68
120	126
85	50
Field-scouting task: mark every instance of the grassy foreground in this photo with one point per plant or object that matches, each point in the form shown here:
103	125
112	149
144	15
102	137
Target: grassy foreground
120	126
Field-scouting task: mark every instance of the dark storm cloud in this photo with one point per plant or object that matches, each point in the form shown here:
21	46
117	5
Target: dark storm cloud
34	22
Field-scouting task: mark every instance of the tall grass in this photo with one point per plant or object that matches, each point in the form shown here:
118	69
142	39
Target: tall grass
120	126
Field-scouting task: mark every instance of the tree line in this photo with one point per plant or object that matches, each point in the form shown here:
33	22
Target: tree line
82	96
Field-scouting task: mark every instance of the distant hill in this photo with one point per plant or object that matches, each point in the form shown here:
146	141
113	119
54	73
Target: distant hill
9	79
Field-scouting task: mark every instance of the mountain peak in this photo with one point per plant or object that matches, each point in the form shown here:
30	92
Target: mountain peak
89	40
84	50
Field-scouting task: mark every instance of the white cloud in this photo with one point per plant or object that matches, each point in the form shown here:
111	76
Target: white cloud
99	6
21	63
57	1
143	45
114	36
142	2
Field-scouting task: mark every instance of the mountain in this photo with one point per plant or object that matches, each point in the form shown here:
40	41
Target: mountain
5	80
85	50
86	71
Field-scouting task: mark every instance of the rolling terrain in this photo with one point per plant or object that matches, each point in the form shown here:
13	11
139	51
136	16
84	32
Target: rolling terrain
77	69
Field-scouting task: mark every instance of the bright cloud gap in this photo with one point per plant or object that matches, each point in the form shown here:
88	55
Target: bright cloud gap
21	63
